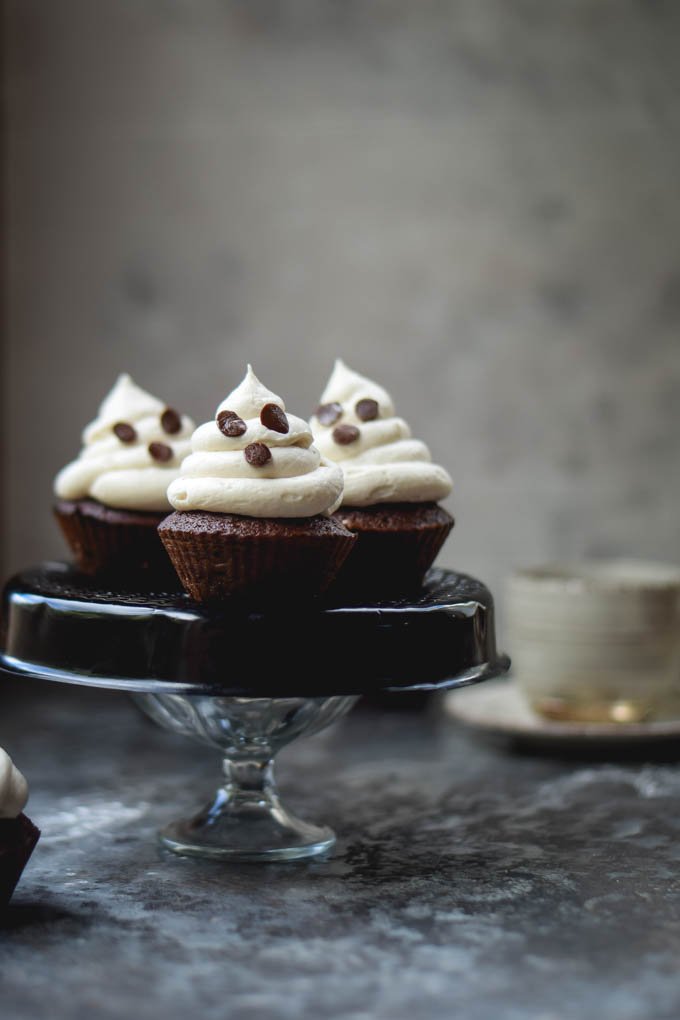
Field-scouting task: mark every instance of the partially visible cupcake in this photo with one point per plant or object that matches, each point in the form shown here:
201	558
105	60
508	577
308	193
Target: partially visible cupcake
18	835
253	504
111	499
392	488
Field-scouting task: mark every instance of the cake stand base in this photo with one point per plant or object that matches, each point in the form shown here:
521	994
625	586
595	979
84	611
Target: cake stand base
268	833
245	821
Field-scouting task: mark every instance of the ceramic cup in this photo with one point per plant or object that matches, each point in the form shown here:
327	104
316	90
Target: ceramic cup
597	641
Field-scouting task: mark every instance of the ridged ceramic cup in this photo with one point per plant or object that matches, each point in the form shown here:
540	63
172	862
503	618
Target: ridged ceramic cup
597	641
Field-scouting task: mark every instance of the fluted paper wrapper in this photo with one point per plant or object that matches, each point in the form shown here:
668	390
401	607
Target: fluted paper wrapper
221	555
396	545
18	837
114	541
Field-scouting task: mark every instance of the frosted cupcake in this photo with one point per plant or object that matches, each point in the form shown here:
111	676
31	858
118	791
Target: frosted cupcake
253	504
391	486
18	835
111	499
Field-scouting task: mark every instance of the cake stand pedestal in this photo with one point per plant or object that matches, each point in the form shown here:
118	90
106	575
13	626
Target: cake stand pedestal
246	682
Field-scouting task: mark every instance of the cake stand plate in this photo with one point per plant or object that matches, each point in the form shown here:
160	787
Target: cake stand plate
246	682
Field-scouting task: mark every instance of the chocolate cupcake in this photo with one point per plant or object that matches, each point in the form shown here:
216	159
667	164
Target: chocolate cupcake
391	487
18	835
111	499
253	505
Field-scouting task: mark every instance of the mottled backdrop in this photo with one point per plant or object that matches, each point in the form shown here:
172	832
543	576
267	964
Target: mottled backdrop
475	201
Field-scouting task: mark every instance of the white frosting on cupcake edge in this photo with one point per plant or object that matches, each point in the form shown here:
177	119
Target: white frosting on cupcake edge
13	788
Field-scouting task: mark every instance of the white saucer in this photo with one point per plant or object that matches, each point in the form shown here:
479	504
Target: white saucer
498	709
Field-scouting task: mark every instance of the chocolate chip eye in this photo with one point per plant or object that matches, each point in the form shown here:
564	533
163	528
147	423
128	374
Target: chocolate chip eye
171	421
274	417
257	454
328	414
125	432
345	434
367	409
229	424
161	451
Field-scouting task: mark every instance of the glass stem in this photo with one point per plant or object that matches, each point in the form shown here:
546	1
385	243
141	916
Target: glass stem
249	784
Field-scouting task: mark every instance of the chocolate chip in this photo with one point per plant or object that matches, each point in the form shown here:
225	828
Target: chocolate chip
328	414
161	451
257	454
345	434
274	417
229	424
125	432
366	409
170	421
225	416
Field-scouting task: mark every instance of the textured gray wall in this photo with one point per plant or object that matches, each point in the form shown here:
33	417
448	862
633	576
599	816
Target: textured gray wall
475	201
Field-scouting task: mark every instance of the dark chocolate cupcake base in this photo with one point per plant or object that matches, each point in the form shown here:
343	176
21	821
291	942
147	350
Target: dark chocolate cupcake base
104	539
396	544
266	559
18	837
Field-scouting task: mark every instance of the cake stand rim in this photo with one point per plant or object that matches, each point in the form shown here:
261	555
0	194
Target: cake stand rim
484	666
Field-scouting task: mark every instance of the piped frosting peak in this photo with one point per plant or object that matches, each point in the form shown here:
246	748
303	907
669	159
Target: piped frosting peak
256	460
131	451
356	426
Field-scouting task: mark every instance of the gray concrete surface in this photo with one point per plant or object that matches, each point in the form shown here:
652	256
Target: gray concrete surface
475	201
466	883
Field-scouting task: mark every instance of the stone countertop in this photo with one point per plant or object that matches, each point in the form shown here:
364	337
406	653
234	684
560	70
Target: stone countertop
467	881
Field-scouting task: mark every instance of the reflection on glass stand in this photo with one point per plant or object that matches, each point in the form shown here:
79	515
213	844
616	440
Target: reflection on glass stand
246	819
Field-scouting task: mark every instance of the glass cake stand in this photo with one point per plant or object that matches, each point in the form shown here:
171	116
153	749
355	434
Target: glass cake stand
246	682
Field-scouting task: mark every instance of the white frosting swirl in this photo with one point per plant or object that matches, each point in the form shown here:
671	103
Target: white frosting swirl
295	482
125	475
383	464
13	788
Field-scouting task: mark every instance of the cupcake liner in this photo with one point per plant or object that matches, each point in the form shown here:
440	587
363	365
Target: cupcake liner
18	837
104	539
396	545
220	555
